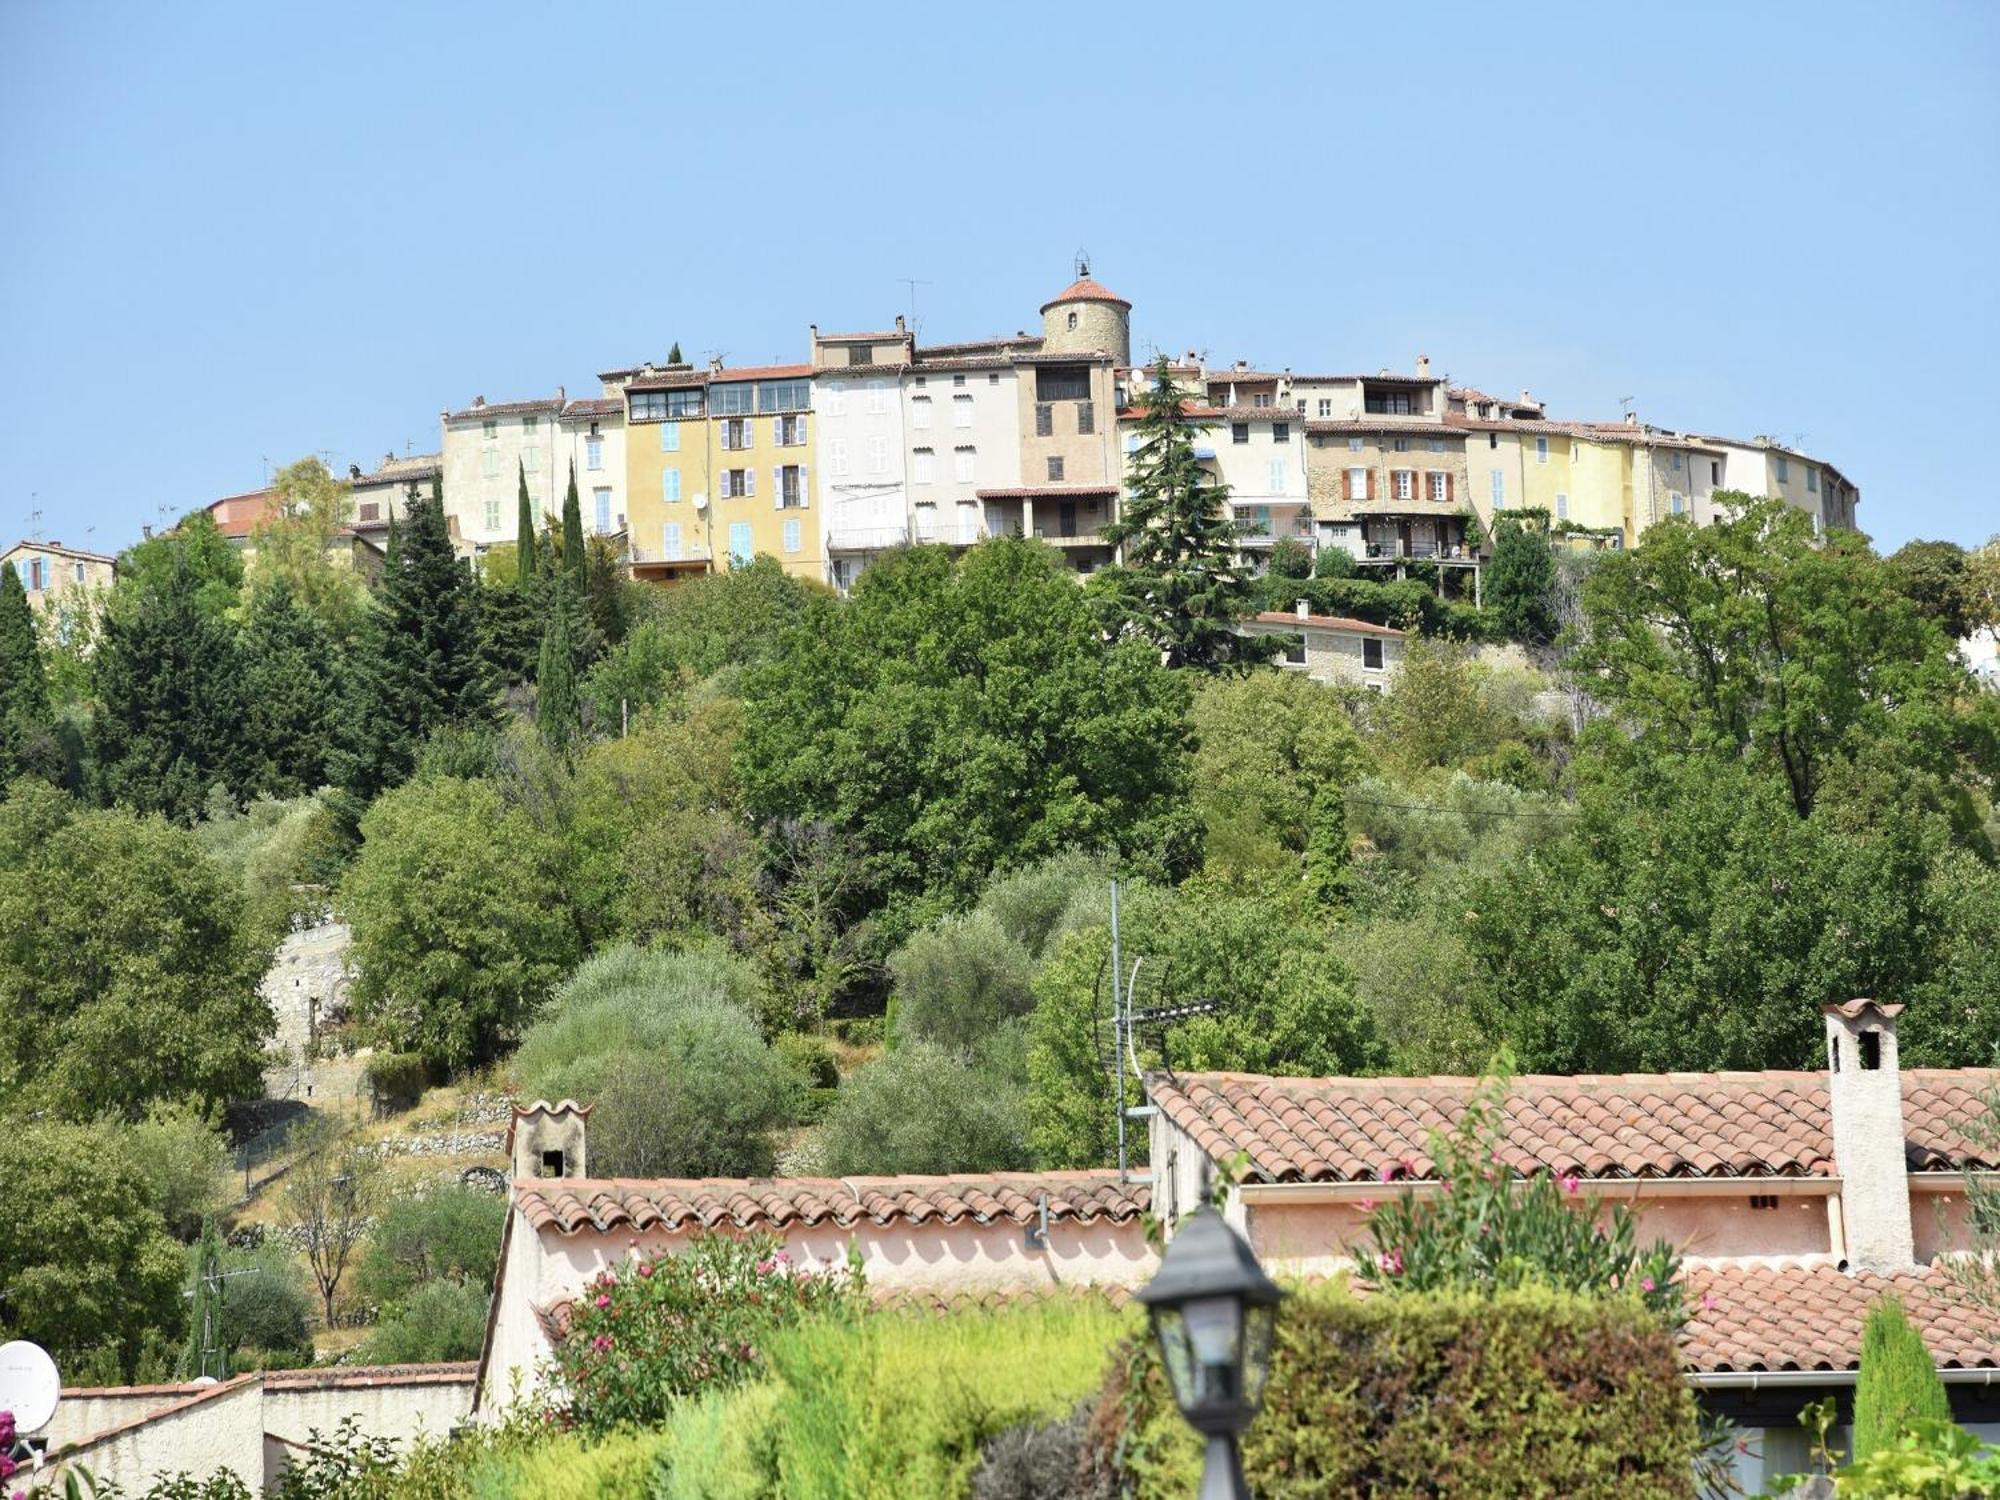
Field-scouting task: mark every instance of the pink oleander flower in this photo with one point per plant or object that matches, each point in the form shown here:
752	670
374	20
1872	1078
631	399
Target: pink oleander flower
765	1267
602	1300
7	1467
1392	1262
645	1268
601	1342
1388	1174
784	1259
1570	1182
1647	1285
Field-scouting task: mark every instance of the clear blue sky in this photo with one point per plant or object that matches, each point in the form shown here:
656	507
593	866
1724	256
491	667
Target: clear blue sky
233	234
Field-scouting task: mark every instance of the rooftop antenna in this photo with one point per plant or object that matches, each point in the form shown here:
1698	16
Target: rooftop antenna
34	515
1625	404
913	282
267	466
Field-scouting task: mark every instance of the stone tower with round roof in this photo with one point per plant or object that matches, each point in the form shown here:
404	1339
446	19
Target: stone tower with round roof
1088	318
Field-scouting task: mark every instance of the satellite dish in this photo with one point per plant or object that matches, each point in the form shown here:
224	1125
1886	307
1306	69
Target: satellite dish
29	1385
701	500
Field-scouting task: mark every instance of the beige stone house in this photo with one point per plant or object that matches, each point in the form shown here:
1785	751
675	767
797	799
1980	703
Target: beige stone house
49	569
1333	649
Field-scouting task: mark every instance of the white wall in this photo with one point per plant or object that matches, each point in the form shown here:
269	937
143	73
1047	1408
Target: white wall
487	505
611	476
947	508
855	416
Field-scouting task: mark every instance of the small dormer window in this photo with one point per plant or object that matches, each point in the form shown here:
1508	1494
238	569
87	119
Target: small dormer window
1072	319
1871	1051
552	1164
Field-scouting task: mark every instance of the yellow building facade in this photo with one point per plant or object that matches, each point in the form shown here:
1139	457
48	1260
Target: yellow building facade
718	469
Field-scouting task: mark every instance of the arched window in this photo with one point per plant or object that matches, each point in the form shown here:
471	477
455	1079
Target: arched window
1072	319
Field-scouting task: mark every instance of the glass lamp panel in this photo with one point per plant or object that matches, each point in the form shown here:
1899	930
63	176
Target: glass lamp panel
1259	1325
1171	1331
1215	1326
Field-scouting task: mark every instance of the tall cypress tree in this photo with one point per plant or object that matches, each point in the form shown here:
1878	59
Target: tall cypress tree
1180	586
524	545
24	689
421	666
291	693
574	565
555	681
674	354
205	1352
168	725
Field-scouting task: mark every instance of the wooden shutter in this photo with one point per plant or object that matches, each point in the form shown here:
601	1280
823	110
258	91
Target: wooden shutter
1448	490
778	487
804	502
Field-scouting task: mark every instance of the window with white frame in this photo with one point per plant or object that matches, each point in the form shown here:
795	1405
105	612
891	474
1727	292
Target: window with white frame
600	505
593	453
1354	445
670	486
732	400
788	432
836	401
1277	476
792	536
1405	481
1676	502
670	437
1263	398
878	455
791	480
1541	450
739	543
492	513
1357	484
961	411
961	464
737	483
489	463
1499	486
878	400
920	413
531	458
736	433
920	466
670	541
1562	506
836	456
1326	406
1440	485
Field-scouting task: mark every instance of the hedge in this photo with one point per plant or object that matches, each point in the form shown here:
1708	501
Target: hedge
1527	1393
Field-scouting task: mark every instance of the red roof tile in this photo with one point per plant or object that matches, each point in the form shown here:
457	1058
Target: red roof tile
573	1206
1620	1125
1083	289
1324	622
1050	492
759	372
1808	1317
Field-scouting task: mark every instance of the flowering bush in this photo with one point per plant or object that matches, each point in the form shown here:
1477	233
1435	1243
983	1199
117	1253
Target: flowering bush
650	1330
1488	1230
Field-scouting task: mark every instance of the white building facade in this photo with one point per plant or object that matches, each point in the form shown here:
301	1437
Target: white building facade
486	448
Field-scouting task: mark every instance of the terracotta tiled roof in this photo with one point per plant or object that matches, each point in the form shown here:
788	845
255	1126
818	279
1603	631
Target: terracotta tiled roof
1188	409
759	372
402	470
1808	1317
572	1206
1325	622
58	549
507	409
1083	289
1050	492
596	406
1246	377
1400	426
1619	1125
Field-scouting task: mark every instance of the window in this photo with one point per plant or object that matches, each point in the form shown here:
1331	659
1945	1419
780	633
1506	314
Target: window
1072	319
739	543
783	395
600	504
489	462
1062	383
593	453
368	510
1302	406
79	573
1086	417
1295	652
961	464
670	541
1263	398
920	466
836	453
684	403
994	378
1239	432
878	455
1281	432
1436	445
1326	406
1357	484
1541	450
492	513
1562	506
1676	502
1440	485
529	427
1499	480
1045	419
736	483
736	433
1784	470
1676	462
788	432
792	536
1386	403
1763	1200
670	486
1812	481
1354	445
489	429
878	397
1371	653
860	354
1715	472
1055	470
920	413
836	401
1406	484
1277	476
921	381
651	406
958	382
732	400
1399	445
670	437
1492	439
791	482
531	458
961	411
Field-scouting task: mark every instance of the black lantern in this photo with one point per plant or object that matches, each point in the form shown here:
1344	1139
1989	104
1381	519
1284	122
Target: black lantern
1213	1312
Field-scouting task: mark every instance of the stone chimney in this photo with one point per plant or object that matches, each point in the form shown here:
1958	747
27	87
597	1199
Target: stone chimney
1304	609
1423	367
1865	1088
715	364
549	1140
899	324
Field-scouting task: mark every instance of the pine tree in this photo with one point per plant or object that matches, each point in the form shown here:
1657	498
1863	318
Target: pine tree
168	725
1898	1383
205	1354
575	565
524	546
1180	586
291	677
674	354
24	692
421	666
555	681
1520	583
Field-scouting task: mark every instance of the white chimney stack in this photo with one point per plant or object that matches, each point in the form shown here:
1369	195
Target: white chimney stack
1865	1090
1423	367
1304	610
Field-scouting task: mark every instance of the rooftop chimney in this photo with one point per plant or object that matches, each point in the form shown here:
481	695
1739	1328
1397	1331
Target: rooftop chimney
715	364
1423	367
1303	609
562	395
353	472
478	400
548	1140
1865	1090
1631	419
1526	399
899	323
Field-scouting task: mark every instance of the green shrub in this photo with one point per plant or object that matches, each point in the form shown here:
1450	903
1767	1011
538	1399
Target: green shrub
266	1314
1930	1460
1898	1384
810	1058
448	1233
1532	1392
1029	903
1334	562
924	1108
1291	558
439	1320
957	981
184	1160
396	1080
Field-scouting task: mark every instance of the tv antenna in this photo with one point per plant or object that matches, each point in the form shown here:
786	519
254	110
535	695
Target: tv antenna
1626	404
34	515
1134	1005
913	282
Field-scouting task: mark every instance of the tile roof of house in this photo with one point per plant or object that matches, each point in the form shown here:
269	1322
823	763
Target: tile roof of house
1325	622
1590	432
1241	413
1617	1125
1049	492
1808	1317
572	1206
59	549
596	406
981	346
1083	289
506	409
1245	377
400	470
663	380
1401	426
759	372
1188	409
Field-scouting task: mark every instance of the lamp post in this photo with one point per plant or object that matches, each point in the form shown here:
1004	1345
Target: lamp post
1213	1311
